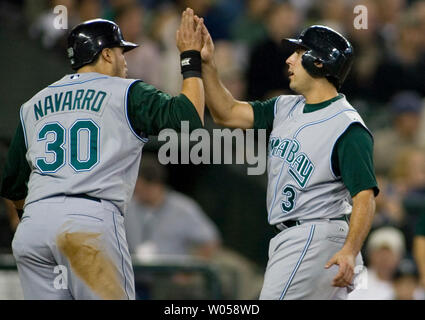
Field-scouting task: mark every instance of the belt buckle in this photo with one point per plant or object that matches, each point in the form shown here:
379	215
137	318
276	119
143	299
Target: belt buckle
282	226
278	228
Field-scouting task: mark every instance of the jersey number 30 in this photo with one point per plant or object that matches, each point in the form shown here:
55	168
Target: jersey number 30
59	147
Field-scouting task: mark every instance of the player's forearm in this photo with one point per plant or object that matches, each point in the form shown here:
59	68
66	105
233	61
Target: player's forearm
11	210
419	254
360	221
19	204
218	99
193	89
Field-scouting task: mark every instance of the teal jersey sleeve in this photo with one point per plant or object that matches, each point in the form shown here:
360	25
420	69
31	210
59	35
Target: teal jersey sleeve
16	171
150	110
263	113
352	159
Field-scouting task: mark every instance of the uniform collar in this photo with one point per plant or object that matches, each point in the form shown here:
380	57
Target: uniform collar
311	107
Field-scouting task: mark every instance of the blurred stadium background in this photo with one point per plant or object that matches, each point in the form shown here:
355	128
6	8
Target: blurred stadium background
385	85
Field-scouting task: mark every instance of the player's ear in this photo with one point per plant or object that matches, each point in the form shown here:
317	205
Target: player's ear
107	55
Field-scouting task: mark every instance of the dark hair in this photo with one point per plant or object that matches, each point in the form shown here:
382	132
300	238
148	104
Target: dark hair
151	170
334	81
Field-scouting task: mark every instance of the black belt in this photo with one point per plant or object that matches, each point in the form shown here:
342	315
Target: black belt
292	223
84	196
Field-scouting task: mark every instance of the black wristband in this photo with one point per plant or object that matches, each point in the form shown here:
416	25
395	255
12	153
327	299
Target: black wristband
20	213
191	64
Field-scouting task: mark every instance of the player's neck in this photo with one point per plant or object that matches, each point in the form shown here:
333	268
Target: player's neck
320	92
95	68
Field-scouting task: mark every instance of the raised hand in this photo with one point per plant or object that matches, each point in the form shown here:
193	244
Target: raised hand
189	34
207	51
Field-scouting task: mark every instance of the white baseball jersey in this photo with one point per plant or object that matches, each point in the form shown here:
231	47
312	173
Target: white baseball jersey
301	182
81	141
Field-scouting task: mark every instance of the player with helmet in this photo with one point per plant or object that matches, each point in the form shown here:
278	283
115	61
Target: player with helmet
73	162
320	167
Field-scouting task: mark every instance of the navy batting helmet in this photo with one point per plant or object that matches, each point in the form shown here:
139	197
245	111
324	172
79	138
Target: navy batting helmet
328	47
86	41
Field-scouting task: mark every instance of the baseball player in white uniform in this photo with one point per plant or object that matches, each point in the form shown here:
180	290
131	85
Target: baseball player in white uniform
73	163
320	167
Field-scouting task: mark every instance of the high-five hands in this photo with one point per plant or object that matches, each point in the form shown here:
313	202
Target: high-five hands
189	34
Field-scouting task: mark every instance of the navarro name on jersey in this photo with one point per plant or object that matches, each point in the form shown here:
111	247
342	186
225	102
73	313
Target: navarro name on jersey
300	167
72	100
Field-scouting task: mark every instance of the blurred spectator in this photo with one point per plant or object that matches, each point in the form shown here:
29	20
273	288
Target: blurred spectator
409	175
302	6
368	52
389	206
419	248
110	12
405	108
161	221
405	282
384	250
144	63
34	9
389	14
419	8
200	7
409	171
250	28
164	27
89	9
421	133
332	13
228	59
164	223
218	15
403	61
267	70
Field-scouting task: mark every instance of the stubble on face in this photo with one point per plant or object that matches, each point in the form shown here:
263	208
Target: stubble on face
120	63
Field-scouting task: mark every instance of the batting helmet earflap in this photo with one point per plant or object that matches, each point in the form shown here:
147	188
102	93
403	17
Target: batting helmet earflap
328	47
86	41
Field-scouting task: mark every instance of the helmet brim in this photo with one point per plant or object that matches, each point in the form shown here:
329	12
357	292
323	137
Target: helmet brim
292	44
128	45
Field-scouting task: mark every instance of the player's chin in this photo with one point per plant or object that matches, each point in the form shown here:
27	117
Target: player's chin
292	85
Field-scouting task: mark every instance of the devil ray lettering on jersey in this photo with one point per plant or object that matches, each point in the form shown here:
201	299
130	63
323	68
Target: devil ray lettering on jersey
81	99
277	147
300	166
301	169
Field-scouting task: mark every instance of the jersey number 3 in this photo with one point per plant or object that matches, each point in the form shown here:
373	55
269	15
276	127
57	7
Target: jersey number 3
59	148
290	197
